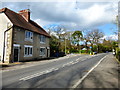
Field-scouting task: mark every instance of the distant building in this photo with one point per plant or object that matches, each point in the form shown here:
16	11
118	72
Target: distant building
21	38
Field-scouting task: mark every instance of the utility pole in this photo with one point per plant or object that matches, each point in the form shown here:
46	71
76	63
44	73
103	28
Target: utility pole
65	46
118	24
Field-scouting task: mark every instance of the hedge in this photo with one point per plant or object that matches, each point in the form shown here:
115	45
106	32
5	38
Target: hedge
118	53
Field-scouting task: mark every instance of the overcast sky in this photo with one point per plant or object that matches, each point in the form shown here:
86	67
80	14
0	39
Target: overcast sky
73	15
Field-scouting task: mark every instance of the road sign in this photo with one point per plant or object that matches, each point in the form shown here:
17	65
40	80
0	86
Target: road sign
90	47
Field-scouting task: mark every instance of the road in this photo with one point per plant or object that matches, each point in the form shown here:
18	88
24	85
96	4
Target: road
63	73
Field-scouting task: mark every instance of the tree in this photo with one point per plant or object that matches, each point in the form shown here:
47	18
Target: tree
67	40
86	41
54	45
94	36
57	32
77	37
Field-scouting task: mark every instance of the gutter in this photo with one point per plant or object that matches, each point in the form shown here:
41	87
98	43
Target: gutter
4	43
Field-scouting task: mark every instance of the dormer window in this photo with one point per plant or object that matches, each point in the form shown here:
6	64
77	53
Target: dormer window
42	39
28	36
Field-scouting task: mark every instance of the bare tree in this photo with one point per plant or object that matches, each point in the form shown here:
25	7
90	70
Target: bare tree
58	31
94	36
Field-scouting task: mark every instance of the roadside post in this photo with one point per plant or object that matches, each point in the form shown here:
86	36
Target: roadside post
90	50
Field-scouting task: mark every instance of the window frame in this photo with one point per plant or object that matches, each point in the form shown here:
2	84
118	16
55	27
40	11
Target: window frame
28	36
27	51
44	52
42	39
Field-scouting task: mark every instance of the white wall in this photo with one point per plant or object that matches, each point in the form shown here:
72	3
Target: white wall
3	26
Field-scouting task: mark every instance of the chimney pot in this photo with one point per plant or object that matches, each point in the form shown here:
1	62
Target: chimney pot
25	13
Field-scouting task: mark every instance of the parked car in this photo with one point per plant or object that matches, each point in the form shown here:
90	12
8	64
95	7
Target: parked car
59	54
94	52
107	52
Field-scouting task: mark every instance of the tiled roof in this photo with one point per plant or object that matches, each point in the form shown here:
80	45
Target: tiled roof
19	20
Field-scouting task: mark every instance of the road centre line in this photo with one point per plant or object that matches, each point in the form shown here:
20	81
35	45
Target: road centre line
52	69
75	86
46	71
38	74
24	66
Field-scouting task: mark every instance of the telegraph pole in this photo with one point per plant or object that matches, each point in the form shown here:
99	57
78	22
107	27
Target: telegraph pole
118	24
65	46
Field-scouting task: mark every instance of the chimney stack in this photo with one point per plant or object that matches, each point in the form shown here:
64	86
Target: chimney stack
26	14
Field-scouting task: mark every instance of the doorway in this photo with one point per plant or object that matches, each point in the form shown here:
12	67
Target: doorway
48	51
16	54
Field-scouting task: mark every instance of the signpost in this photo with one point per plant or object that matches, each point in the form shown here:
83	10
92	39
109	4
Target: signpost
90	50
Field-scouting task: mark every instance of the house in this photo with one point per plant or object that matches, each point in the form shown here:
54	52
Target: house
21	38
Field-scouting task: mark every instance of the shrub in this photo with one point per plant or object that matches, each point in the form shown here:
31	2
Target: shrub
118	53
83	51
74	51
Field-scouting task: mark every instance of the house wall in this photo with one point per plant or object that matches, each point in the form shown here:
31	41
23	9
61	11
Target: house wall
19	38
5	23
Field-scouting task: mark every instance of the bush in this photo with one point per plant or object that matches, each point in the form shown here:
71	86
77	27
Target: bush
83	51
74	51
118	53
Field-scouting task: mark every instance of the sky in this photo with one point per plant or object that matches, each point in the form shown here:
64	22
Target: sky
73	15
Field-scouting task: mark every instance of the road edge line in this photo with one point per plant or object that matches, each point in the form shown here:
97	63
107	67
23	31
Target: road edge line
117	60
74	86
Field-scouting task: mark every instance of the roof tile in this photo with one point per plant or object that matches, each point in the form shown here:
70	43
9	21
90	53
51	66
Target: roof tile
19	21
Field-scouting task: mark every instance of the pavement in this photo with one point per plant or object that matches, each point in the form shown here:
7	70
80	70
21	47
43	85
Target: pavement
105	75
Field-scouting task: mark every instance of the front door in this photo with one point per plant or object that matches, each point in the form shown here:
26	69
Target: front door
16	54
47	52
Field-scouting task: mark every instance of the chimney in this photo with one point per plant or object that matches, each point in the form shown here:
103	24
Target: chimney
25	13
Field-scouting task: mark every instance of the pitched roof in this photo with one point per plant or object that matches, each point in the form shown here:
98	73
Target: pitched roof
19	20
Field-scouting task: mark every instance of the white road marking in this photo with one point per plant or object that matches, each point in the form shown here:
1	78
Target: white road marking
74	86
47	71
56	69
38	74
24	66
52	69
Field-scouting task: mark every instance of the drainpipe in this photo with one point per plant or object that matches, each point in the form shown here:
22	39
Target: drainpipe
4	42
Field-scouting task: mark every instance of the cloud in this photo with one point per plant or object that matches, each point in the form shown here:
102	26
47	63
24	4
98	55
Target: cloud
111	37
70	14
89	17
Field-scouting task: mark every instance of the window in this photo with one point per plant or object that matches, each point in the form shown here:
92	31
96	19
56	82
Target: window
28	36
42	39
42	51
28	50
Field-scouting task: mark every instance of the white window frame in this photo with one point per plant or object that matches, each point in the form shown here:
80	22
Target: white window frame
28	53
28	38
45	51
41	38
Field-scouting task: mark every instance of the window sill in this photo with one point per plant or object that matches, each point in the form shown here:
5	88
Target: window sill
28	56
29	40
42	55
42	42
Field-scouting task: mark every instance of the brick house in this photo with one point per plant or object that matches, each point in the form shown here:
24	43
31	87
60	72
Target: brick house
21	38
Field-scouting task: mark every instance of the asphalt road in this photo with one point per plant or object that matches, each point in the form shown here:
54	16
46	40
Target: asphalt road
63	73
